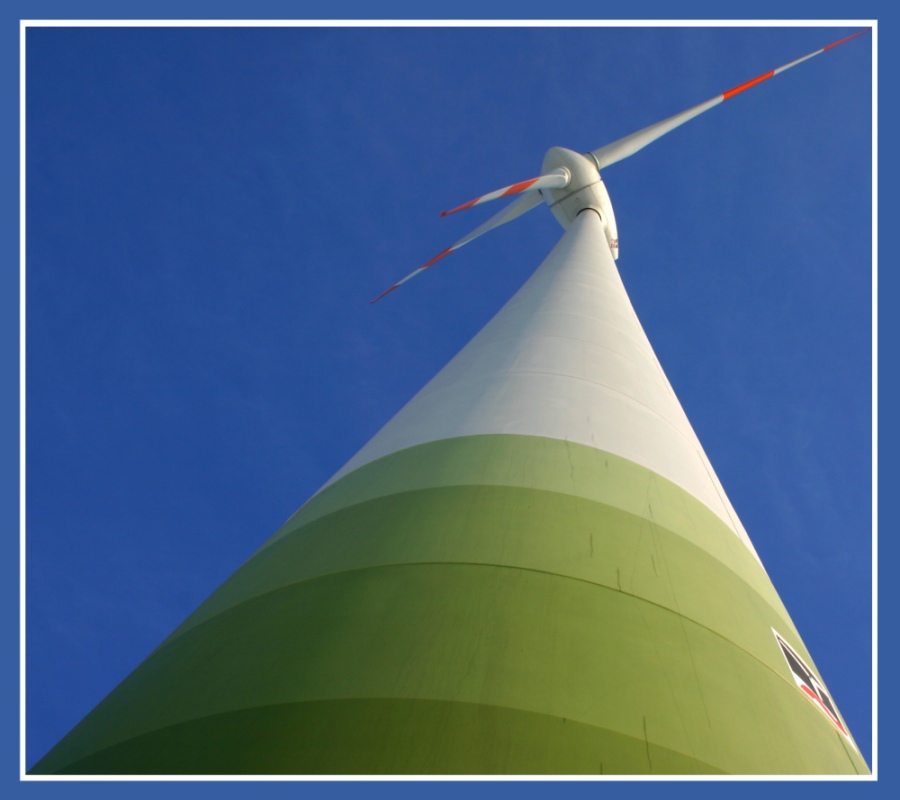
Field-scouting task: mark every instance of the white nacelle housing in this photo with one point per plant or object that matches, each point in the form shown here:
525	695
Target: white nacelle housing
585	190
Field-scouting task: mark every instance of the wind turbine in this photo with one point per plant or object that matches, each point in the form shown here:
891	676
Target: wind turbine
462	703
570	183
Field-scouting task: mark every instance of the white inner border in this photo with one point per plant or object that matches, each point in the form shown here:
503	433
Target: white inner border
341	23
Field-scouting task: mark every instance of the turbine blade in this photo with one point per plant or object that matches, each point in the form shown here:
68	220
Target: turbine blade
515	209
556	179
629	145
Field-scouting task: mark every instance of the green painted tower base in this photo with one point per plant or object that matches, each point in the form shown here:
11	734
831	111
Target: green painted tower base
481	605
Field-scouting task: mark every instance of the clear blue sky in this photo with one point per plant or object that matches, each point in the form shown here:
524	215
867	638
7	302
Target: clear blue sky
210	211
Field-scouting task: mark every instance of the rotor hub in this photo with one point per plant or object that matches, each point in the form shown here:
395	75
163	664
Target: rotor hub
584	190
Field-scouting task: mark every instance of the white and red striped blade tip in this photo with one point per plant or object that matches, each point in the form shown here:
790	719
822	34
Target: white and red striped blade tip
629	145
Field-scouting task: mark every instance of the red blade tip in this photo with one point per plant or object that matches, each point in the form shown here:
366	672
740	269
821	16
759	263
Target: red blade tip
386	291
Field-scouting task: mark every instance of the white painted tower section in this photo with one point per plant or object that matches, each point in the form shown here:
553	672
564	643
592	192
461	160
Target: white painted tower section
566	358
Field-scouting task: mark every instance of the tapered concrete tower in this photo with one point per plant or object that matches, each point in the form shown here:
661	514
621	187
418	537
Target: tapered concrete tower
532	568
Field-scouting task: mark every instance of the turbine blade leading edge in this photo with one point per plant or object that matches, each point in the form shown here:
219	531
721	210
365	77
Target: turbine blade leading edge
629	145
515	209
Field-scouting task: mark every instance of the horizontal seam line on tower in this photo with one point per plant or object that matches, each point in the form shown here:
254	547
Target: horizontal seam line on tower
337	478
386	698
547	573
650	362
272	542
627	333
614	317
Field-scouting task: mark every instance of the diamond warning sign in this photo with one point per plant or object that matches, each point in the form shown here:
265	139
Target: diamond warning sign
808	682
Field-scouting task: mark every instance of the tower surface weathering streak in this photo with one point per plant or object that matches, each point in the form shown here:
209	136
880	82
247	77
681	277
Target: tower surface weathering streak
532	568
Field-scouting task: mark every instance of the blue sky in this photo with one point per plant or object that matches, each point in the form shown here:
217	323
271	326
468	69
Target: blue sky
210	211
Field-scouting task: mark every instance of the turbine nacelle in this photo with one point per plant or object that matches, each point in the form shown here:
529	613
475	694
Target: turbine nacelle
584	190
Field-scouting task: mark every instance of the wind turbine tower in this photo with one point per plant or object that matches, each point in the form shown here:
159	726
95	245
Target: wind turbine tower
531	569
